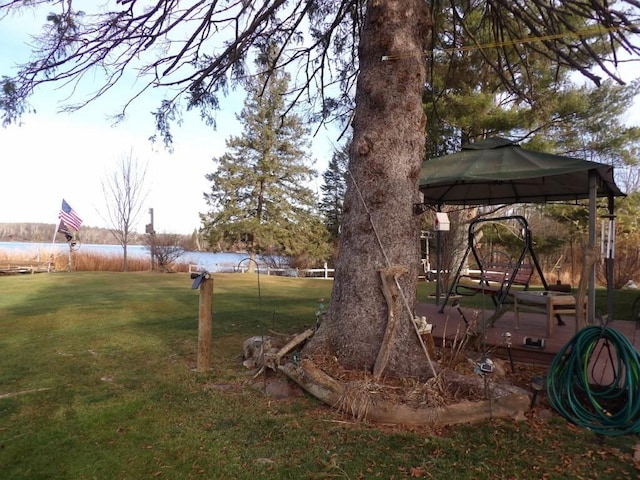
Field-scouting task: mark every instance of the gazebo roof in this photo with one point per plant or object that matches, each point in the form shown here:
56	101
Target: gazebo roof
499	171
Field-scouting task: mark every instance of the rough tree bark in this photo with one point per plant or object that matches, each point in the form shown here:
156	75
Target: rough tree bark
380	228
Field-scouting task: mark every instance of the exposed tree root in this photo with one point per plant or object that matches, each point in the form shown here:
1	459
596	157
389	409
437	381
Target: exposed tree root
366	405
453	396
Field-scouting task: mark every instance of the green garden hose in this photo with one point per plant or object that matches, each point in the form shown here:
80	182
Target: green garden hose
612	409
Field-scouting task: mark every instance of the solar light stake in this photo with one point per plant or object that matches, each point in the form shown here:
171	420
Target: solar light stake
537	383
507	341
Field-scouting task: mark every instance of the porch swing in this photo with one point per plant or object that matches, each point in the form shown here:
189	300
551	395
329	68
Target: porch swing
497	272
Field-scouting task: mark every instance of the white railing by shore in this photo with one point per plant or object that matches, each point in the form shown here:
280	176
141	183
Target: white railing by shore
284	272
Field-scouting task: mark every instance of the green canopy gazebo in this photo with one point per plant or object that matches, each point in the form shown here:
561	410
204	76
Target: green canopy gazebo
498	171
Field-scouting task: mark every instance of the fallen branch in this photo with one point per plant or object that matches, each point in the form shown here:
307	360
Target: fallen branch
23	392
332	392
294	342
389	277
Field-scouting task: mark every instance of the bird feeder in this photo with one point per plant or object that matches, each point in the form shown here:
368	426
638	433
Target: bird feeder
442	222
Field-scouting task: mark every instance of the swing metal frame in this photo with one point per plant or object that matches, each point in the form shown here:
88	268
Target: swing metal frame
496	280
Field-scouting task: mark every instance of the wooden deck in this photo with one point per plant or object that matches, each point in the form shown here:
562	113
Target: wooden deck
11	268
532	325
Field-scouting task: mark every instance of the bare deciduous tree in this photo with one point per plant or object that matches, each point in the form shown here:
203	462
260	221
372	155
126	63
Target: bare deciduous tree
124	193
165	248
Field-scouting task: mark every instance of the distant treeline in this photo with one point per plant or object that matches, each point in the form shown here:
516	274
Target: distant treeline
43	232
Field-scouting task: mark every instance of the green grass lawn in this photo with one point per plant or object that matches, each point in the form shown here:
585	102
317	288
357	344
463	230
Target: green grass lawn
97	381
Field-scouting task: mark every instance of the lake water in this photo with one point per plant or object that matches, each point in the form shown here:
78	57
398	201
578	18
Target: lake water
213	262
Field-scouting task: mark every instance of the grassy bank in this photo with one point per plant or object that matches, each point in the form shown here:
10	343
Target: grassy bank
97	381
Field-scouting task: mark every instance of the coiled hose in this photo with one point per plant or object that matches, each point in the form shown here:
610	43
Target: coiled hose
612	409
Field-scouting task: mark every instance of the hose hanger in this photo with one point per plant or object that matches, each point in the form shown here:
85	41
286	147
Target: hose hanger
607	409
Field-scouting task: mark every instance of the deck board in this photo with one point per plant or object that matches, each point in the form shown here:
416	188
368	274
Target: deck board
532	325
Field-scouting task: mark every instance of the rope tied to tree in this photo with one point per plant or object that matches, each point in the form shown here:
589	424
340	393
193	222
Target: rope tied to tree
388	264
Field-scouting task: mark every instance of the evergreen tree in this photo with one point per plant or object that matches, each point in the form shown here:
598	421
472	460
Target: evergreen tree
593	126
333	190
258	196
541	104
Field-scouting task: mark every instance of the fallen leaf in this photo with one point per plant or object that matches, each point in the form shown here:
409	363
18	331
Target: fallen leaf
416	472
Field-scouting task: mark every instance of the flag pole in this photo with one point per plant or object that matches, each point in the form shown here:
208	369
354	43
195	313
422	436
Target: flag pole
53	245
69	220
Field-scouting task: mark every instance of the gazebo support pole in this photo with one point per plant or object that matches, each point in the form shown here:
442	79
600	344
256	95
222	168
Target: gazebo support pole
438	266
591	292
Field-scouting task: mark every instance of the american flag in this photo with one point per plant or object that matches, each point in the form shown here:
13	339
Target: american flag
69	216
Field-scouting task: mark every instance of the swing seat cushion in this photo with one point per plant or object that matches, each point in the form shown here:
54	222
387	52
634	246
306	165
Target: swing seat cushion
494	279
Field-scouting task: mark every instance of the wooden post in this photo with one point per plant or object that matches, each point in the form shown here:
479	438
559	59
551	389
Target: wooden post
70	261
204	324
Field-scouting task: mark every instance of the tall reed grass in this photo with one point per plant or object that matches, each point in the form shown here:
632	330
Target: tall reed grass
85	262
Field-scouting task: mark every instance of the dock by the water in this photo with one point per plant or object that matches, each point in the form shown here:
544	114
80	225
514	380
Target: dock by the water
14	268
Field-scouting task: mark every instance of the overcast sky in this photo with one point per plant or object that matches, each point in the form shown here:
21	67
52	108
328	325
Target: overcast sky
55	155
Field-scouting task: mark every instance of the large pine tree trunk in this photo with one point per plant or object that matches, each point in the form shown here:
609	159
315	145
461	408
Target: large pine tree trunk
379	227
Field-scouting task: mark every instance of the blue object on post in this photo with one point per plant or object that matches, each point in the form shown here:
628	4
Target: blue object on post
198	277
